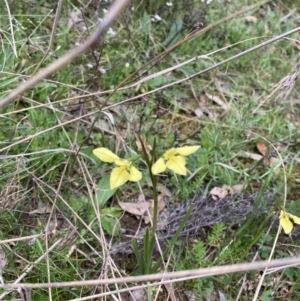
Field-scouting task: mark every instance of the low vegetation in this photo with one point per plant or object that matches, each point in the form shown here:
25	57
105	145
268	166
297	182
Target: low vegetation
179	99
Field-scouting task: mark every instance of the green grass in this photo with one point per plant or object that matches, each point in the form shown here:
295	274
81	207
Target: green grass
43	129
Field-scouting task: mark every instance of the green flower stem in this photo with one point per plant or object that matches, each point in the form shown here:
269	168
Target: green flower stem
149	238
173	240
135	157
155	197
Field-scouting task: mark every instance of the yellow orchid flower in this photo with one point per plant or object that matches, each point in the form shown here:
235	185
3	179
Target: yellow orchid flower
119	175
286	223
105	155
174	160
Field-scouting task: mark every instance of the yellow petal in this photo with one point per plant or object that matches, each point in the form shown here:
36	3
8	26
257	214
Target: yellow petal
134	174
159	166
122	162
285	222
295	219
282	214
187	150
177	164
118	177
169	153
105	155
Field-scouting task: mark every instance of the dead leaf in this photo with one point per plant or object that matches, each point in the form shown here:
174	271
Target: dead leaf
161	206
219	193
161	203
252	156
141	198
258	157
238	188
199	113
145	209
118	135
262	148
147	147
204	104
160	187
251	19
110	117
164	190
135	208
41	210
215	98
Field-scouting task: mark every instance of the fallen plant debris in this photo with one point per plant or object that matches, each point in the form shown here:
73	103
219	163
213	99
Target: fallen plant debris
219	193
143	209
230	210
269	161
169	74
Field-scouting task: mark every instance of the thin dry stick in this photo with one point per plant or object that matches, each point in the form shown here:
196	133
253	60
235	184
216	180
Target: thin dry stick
54	27
51	215
48	130
13	46
223	62
142	95
41	184
197	273
44	151
160	56
111	15
279	228
30	267
198	73
154	284
17	239
253	260
157	57
57	191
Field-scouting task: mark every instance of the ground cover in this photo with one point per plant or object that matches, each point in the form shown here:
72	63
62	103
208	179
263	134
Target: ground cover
165	75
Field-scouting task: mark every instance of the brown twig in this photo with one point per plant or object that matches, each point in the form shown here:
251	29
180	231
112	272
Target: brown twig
54	27
111	15
196	273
